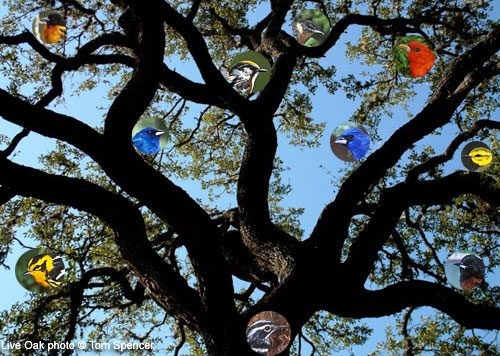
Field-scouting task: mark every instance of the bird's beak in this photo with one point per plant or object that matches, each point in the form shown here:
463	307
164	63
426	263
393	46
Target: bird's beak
263	70
341	141
159	133
405	47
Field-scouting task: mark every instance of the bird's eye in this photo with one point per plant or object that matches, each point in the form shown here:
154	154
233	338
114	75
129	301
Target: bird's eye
349	137
267	328
417	49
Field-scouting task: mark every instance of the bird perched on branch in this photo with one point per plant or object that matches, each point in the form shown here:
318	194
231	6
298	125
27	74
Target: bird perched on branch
148	140
243	75
46	269
356	141
49	27
413	56
305	30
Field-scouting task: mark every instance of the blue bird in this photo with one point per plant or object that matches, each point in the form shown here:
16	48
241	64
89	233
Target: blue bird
148	140
356	141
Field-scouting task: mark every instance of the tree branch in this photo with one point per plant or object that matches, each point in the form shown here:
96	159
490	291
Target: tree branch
170	289
395	298
450	150
395	200
462	75
76	291
199	50
138	93
378	24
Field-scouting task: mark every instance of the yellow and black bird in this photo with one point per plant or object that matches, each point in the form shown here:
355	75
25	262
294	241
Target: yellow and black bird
49	27
476	156
305	30
46	269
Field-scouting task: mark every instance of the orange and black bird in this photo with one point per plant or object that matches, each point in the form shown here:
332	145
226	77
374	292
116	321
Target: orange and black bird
49	27
46	269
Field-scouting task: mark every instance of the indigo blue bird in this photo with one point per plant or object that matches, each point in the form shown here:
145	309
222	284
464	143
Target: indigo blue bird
356	141
148	140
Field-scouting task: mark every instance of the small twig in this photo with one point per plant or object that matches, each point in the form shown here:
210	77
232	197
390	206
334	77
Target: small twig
450	151
313	346
182	341
415	225
15	141
193	11
178	113
193	132
405	258
408	340
243	297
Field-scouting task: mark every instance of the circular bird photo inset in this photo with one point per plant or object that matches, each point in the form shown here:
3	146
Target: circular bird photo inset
350	142
49	27
150	135
40	270
311	27
476	156
249	72
464	270
413	56
268	333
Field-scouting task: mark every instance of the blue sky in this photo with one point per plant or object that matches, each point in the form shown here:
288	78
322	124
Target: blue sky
309	168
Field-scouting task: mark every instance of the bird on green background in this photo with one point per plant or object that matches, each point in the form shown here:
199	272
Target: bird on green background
242	76
49	28
413	56
305	30
148	140
46	269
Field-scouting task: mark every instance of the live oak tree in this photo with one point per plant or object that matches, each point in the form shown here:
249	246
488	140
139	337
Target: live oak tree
146	261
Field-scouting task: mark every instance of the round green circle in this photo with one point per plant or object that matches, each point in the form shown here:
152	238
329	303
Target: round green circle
154	122
319	18
261	61
27	281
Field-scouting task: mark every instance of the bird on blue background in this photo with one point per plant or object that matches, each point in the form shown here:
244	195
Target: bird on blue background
148	140
356	141
243	75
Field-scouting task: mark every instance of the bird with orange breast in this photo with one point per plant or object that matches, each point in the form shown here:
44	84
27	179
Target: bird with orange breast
49	27
413	56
